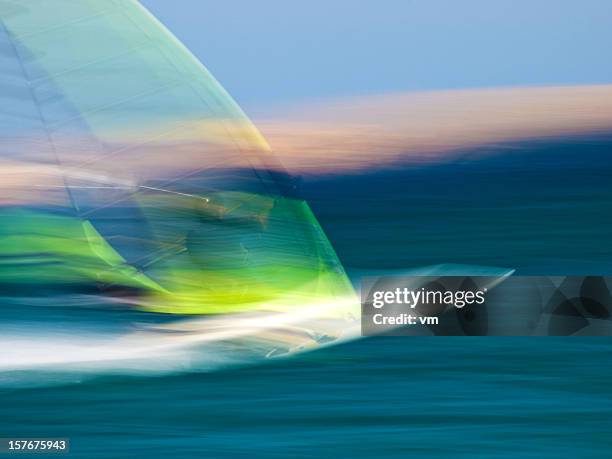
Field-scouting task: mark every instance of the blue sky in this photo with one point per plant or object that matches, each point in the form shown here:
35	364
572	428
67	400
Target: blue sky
274	52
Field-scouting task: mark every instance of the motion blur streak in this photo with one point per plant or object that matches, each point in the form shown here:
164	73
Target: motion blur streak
358	133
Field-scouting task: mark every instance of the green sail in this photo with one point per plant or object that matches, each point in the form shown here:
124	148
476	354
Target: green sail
141	172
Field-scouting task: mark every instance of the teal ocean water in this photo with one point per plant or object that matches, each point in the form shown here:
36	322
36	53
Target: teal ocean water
542	208
381	397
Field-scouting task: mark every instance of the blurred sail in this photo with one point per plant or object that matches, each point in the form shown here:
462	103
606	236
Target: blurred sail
127	165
